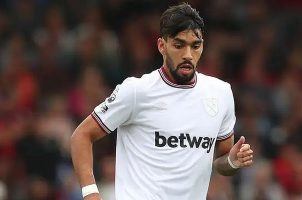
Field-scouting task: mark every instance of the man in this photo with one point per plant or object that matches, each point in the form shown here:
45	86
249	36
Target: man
168	123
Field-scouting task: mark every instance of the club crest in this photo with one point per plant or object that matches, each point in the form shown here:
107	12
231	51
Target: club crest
211	106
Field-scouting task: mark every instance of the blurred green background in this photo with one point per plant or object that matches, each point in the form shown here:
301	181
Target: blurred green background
60	59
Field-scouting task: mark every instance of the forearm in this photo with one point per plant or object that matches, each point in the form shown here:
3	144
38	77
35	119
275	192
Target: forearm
82	155
223	167
82	158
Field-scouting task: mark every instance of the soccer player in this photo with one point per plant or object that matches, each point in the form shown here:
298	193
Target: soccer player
169	123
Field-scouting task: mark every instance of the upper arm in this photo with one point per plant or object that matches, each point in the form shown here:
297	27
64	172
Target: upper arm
224	146
229	119
111	113
118	108
90	128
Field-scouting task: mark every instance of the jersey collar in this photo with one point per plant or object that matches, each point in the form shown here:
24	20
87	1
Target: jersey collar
171	83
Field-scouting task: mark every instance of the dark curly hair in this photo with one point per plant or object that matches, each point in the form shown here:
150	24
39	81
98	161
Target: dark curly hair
179	18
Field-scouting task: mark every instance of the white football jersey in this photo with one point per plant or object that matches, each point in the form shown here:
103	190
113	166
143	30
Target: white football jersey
166	134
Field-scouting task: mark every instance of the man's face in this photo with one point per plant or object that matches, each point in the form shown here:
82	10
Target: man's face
181	54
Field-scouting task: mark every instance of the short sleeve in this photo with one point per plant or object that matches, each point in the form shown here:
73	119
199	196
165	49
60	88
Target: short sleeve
228	123
116	110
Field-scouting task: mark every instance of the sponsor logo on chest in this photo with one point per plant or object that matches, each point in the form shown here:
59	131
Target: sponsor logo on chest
184	140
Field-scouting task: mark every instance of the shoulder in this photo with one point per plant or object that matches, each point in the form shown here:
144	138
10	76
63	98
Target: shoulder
142	83
212	86
213	83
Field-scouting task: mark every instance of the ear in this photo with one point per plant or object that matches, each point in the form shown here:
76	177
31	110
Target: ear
161	46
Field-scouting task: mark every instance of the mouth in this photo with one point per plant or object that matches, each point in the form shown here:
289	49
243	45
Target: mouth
186	68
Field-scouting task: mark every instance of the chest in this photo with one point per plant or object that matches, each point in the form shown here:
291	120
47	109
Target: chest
194	112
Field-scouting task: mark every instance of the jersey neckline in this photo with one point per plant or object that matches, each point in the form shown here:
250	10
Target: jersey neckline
167	80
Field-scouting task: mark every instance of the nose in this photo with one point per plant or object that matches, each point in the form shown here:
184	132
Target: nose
187	54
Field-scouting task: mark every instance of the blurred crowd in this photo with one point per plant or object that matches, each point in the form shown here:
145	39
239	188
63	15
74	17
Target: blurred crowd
59	59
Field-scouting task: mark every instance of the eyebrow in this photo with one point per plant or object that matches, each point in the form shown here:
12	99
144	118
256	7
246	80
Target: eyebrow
199	41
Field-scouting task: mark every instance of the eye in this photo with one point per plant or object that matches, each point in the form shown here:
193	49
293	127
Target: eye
196	46
178	46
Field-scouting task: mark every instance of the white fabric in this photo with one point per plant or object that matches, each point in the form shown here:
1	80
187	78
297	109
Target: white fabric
89	189
166	135
231	164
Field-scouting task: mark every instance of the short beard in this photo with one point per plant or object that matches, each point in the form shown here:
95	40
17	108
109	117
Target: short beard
179	79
